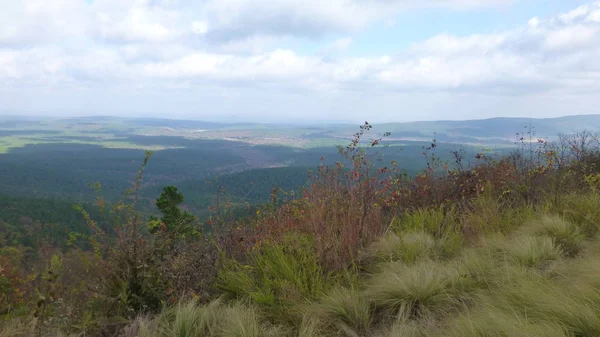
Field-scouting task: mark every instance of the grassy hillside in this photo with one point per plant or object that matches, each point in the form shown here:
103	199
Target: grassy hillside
506	246
539	280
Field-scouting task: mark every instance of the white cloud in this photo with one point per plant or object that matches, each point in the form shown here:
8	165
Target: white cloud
218	21
339	45
576	36
199	27
233	19
576	14
534	22
143	47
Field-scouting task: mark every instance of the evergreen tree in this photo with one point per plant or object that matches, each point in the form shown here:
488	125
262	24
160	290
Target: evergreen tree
174	221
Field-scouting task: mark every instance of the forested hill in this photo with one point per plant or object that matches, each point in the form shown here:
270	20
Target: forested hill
29	221
48	165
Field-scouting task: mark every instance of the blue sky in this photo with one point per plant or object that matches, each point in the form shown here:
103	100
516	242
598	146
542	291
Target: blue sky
300	60
411	27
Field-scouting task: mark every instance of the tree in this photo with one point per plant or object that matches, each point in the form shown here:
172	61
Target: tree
174	221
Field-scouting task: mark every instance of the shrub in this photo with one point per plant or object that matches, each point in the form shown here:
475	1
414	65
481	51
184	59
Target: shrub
490	214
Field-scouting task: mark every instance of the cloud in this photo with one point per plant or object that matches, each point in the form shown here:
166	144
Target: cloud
235	19
213	21
554	54
534	22
169	49
339	45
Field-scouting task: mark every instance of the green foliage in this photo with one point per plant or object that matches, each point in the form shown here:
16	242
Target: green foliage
35	222
490	214
429	220
174	219
277	277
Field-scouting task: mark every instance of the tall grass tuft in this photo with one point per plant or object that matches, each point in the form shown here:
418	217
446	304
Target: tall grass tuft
403	329
14	328
310	326
490	321
567	236
277	278
412	247
582	210
538	298
489	214
239	321
530	251
186	319
408	248
476	267
142	326
432	220
347	310
423	288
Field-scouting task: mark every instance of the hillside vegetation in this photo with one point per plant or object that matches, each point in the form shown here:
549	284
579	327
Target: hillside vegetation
507	246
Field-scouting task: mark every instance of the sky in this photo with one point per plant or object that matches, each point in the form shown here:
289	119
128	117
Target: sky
300	60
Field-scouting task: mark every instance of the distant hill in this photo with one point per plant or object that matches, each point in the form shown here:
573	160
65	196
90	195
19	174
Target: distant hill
493	130
113	131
